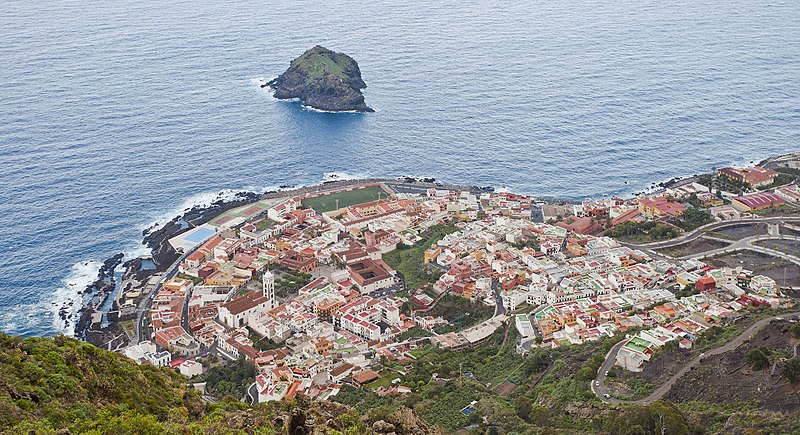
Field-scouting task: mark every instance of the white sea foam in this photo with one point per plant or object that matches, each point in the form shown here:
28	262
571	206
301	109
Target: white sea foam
314	109
203	199
68	296
341	176
21	319
27	317
260	82
135	250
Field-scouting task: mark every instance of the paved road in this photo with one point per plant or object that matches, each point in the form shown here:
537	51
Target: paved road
499	308
252	394
748	243
144	307
687	237
600	389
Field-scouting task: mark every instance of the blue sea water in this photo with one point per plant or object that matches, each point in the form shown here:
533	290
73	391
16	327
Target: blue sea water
115	115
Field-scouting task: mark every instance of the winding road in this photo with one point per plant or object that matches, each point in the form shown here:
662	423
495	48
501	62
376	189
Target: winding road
748	243
600	389
700	231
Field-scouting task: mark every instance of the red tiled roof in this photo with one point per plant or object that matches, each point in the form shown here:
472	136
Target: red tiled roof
760	199
244	303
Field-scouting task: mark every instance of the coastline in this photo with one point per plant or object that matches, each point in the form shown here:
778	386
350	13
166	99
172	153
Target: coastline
98	327
89	323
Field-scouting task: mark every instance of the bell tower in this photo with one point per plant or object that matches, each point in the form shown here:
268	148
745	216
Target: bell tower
268	281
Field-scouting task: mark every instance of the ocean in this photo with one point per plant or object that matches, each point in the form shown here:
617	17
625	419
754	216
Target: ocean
117	115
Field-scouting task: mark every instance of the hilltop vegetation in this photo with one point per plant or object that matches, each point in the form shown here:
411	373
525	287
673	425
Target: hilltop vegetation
61	385
408	260
548	391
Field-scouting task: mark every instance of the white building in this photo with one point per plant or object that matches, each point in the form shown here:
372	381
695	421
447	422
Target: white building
190	368
137	352
238	311
159	359
524	326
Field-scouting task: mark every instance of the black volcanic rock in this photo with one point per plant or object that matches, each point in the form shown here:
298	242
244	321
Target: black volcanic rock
324	80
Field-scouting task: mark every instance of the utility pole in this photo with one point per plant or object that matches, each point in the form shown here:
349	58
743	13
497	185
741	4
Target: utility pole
337	203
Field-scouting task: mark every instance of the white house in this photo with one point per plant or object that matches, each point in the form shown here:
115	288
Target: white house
190	368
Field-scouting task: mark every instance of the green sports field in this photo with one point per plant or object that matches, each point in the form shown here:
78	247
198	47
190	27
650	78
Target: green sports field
324	203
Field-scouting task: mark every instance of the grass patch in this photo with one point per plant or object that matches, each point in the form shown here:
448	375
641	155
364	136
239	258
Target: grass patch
264	224
196	280
643	232
384	381
408	261
776	211
460	312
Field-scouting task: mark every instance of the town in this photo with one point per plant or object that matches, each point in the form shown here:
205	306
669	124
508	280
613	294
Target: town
314	289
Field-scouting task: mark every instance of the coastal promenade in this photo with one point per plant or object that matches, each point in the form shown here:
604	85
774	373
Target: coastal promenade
600	389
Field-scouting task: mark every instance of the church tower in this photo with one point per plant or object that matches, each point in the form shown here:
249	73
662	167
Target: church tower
269	288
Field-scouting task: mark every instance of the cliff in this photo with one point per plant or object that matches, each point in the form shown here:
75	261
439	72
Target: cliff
324	80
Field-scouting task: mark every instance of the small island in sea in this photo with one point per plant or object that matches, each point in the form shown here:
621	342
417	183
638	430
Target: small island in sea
323	79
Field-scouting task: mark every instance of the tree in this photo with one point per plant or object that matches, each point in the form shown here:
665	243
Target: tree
791	371
757	359
524	405
693	200
796	330
693	218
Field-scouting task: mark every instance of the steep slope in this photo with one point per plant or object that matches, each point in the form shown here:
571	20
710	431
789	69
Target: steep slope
67	386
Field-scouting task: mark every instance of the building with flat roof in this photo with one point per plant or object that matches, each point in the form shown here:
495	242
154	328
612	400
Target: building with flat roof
524	325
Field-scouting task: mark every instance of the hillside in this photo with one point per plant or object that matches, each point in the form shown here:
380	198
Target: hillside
323	79
64	385
549	392
61	385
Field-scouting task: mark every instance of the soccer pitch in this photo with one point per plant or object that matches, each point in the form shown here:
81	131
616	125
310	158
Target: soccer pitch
324	203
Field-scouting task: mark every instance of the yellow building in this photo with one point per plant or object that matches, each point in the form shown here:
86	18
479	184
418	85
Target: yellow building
431	254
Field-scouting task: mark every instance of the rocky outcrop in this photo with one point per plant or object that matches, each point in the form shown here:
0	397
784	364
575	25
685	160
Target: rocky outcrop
323	79
96	294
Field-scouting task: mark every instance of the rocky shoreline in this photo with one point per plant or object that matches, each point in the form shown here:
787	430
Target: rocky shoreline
89	327
96	294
